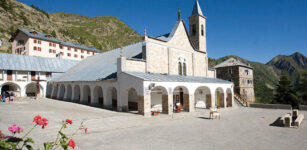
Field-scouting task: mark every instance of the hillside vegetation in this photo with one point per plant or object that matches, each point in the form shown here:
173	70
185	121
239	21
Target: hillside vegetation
103	33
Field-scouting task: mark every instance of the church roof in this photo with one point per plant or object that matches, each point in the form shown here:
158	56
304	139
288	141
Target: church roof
169	36
52	39
31	63
174	78
101	66
197	9
232	62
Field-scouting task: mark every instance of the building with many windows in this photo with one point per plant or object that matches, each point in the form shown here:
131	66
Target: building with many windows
164	73
241	74
23	74
33	43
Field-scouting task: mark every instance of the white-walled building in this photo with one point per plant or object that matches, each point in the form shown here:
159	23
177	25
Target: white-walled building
33	43
19	74
154	74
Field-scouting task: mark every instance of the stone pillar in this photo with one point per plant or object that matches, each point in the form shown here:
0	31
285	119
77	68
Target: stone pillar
93	102
224	100
213	104
144	105
123	101
191	103
170	104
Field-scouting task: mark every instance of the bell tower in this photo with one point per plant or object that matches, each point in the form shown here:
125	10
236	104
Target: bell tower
197	26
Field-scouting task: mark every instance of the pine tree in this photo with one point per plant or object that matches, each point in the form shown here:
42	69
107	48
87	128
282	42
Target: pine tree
284	93
302	87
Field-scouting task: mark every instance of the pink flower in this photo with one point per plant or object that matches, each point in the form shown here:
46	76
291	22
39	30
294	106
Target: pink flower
14	128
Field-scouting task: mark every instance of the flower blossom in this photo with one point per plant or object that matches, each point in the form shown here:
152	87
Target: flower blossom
14	128
40	121
71	143
69	121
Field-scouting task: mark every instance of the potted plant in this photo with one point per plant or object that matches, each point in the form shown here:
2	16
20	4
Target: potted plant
155	113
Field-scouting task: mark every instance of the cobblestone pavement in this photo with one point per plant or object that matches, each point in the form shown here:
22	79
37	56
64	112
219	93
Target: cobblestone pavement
239	128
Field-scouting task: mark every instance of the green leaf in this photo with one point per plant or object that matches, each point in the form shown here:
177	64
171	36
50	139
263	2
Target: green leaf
47	146
29	147
63	135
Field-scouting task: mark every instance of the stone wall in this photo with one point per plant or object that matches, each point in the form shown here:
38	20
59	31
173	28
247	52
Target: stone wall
135	65
271	106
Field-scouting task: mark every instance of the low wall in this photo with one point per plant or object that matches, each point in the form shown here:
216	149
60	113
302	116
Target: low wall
271	106
302	107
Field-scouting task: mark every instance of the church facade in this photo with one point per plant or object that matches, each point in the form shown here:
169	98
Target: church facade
157	74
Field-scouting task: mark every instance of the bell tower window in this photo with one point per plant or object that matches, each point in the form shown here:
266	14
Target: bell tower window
194	29
202	30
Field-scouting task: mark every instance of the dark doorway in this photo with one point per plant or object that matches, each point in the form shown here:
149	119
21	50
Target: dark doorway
9	75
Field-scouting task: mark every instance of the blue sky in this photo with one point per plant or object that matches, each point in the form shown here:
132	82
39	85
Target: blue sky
256	30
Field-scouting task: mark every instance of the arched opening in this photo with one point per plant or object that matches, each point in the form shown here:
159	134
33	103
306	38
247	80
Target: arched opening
159	99
229	98
98	96
112	97
132	100
49	90
181	98
68	93
219	97
62	92
77	94
31	89
86	94
55	91
202	97
9	88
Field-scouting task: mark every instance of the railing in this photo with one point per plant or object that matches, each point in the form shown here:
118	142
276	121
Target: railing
243	101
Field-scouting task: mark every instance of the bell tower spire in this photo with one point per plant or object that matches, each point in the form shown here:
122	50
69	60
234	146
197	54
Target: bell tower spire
197	26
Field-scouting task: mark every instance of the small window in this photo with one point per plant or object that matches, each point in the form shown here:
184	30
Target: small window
202	30
76	56
35	48
61	53
50	44
76	50
68	54
54	51
39	42
39	49
194	29
179	68
82	51
54	45
48	74
184	69
88	52
35	41
68	48
82	57
50	50
93	53
61	46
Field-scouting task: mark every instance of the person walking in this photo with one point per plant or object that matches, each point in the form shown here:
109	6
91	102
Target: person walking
3	96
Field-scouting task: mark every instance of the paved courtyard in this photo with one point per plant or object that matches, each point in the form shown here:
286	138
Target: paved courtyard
239	128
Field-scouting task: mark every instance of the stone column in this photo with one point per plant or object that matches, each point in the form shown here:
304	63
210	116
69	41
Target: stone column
170	104
191	103
93	102
208	101
123	100
144	105
224	100
213	104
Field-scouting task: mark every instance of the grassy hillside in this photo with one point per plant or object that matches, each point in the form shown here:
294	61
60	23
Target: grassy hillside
100	32
264	78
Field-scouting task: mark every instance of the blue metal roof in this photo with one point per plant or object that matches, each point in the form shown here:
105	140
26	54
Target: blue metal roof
100	67
44	37
31	63
175	78
197	9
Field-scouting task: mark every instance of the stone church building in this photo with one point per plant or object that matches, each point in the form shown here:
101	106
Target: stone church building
156	74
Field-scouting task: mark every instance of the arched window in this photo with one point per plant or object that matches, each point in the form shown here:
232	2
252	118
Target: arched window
179	68
182	66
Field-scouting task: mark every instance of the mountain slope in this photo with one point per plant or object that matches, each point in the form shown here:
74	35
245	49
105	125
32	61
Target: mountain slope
292	65
265	78
100	32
